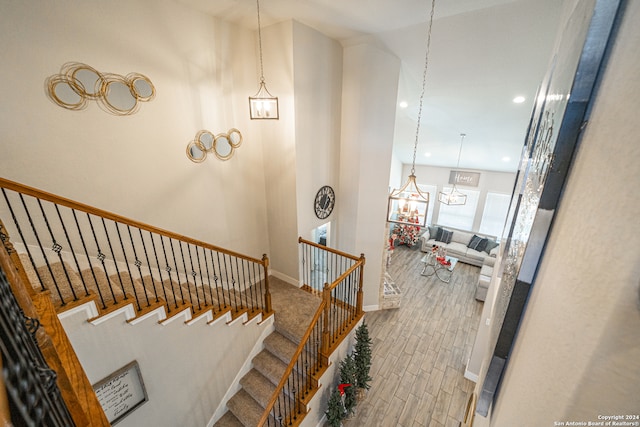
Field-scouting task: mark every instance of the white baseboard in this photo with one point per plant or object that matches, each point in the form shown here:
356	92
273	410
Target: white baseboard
288	279
471	376
375	307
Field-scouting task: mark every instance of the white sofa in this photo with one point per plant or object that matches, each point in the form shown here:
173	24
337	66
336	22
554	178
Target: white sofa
458	247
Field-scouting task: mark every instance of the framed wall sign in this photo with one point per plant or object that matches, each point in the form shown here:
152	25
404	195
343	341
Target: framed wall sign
469	179
121	393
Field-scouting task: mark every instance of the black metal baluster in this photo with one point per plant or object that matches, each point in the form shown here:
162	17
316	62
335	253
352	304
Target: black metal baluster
126	263
57	248
175	264
195	279
101	257
137	263
168	269
204	254
155	254
215	281
186	275
86	253
146	255
226	274
113	257
242	285
71	249
24	242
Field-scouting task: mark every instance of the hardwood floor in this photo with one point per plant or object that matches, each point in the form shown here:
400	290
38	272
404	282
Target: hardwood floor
420	350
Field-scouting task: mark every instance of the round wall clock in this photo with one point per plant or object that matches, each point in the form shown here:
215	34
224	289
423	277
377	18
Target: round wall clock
324	202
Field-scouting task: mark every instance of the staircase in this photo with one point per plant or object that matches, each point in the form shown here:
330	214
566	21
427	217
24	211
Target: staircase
74	255
294	311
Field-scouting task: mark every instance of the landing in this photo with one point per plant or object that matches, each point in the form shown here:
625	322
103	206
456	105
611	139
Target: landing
294	308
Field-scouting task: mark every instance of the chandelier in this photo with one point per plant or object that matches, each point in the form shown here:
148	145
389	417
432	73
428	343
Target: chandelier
262	105
454	197
409	205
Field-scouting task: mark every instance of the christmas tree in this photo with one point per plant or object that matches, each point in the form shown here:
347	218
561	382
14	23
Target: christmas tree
348	379
362	356
335	410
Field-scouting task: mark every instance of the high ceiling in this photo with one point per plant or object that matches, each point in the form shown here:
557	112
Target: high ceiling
483	54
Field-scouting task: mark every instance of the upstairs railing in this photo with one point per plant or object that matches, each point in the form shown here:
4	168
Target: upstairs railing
77	251
338	313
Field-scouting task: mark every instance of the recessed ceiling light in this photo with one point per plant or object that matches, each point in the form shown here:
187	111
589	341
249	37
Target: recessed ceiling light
404	104
506	159
519	99
427	154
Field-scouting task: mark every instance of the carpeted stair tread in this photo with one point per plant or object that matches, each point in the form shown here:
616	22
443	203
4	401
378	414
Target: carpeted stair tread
259	387
65	278
245	408
280	346
228	420
194	295
270	366
294	308
96	280
133	287
171	293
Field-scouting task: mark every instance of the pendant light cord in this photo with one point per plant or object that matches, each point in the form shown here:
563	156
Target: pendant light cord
260	42
424	85
462	135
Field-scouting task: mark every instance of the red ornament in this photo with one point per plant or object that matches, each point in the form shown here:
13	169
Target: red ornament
341	388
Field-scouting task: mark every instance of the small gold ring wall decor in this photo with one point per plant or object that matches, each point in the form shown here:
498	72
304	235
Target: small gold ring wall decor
78	83
223	145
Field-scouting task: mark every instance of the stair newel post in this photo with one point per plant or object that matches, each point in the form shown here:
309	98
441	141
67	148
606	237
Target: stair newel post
326	297
360	285
267	294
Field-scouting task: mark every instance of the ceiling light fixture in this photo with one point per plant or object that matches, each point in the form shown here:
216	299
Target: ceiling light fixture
403	104
454	197
408	205
519	99
262	105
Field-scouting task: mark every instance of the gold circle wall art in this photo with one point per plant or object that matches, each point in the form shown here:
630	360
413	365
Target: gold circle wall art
222	145
78	83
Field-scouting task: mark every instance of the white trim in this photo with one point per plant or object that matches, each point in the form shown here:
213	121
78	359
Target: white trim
375	307
184	314
226	318
89	308
471	376
160	312
128	311
206	315
288	279
244	318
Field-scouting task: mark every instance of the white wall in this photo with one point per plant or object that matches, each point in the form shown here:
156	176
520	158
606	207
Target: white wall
369	96
279	150
203	71
318	95
186	369
578	349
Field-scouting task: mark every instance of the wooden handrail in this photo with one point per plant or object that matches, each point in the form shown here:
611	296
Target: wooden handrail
20	188
292	363
328	249
346	274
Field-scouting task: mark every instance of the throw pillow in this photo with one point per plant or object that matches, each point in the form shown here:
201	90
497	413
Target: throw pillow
438	234
474	242
482	245
490	245
445	236
433	231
